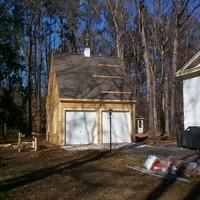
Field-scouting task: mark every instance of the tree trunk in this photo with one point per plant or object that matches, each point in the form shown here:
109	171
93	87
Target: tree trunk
151	93
173	82
29	87
114	8
166	104
174	67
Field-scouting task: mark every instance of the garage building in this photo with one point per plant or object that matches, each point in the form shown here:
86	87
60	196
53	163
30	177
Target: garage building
81	90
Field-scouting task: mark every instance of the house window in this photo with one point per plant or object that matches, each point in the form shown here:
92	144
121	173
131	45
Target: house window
55	124
140	123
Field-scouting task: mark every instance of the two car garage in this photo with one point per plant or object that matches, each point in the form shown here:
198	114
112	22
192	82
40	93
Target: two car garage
81	127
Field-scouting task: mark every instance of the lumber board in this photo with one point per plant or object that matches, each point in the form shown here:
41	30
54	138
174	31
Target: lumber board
163	175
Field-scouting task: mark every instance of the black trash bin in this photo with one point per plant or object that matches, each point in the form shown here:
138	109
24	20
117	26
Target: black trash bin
179	139
191	137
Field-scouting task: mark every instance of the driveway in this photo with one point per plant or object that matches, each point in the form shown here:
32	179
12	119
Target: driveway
143	150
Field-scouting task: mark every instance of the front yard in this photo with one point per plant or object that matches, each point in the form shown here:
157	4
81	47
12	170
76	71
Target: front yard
54	173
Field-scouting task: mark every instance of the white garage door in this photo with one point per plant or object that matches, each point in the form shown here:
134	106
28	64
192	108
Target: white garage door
120	127
80	127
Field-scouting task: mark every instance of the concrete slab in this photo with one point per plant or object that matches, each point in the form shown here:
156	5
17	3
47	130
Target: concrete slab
142	150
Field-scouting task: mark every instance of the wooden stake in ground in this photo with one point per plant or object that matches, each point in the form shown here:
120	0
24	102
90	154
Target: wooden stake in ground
19	142
34	141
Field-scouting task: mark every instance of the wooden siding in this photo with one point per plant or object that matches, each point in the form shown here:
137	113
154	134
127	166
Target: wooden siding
98	107
52	108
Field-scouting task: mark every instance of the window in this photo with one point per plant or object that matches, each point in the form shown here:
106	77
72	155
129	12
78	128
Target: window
140	123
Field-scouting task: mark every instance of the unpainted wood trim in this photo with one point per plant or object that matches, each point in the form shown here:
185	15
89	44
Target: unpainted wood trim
102	76
115	92
109	65
96	100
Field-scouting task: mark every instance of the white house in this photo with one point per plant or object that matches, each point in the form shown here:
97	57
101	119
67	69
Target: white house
190	74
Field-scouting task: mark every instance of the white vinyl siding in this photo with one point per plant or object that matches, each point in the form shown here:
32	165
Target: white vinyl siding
191	100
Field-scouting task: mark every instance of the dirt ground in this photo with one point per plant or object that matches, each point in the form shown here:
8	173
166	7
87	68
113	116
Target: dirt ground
55	173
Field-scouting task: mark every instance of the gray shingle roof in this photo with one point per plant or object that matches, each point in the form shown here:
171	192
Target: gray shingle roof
91	77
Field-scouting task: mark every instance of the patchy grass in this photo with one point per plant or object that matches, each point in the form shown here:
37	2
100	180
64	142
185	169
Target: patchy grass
54	173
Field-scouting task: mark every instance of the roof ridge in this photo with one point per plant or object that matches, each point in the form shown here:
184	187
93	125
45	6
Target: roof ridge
81	54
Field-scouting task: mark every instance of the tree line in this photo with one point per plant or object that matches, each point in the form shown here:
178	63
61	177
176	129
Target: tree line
153	38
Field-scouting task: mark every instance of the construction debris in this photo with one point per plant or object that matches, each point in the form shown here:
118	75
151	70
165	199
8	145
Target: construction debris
171	166
171	169
160	175
7	145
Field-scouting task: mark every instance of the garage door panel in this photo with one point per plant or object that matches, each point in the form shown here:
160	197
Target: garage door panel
81	127
120	127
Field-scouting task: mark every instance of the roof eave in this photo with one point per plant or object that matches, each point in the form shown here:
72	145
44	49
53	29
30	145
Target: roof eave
184	71
97	100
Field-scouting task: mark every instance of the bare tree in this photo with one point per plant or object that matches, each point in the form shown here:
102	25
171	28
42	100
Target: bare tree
150	73
161	33
26	47
182	12
119	18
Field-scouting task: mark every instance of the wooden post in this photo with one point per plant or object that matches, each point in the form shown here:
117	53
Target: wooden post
19	142
35	143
